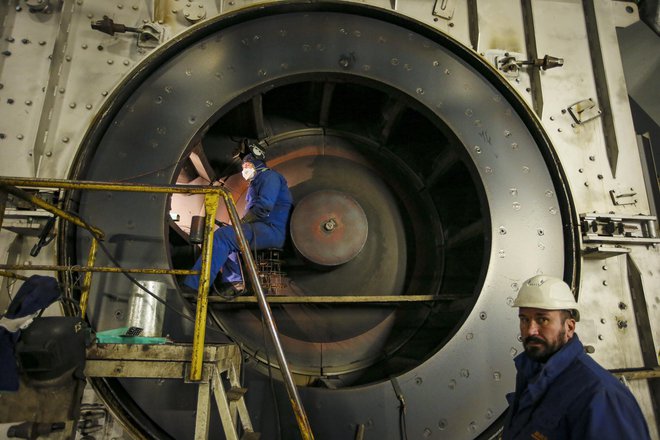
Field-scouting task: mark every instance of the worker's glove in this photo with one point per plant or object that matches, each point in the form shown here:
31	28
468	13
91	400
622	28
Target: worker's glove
249	217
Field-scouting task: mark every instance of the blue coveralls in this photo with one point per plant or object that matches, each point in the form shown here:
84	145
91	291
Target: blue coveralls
268	205
571	397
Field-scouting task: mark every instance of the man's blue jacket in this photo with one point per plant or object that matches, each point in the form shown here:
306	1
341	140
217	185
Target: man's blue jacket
268	205
268	199
571	397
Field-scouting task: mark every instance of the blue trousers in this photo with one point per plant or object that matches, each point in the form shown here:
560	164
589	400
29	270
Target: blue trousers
225	255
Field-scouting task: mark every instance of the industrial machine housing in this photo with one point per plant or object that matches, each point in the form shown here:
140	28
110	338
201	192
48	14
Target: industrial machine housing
472	144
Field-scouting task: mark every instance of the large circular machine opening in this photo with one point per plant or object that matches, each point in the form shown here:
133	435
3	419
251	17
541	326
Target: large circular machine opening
436	188
388	226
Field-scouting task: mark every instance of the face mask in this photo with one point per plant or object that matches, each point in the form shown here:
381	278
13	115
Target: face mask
249	173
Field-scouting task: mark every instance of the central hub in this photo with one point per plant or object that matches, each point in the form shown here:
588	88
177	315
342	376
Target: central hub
330	225
329	228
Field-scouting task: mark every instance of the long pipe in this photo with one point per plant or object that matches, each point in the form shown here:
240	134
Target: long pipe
110	186
12	275
107	269
298	410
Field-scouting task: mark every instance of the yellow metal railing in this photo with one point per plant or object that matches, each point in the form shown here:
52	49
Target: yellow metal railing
212	195
211	198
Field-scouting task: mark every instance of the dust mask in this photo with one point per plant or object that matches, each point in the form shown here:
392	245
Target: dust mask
249	173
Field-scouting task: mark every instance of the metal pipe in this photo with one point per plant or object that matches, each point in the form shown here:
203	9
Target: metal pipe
352	299
298	410
211	205
637	373
327	299
35	267
87	281
12	275
651	226
109	186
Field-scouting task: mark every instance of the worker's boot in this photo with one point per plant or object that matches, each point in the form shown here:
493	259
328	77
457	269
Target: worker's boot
230	290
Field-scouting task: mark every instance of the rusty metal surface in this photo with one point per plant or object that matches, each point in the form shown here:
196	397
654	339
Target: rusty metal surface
329	228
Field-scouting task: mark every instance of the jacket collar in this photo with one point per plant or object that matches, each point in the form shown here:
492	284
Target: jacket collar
537	376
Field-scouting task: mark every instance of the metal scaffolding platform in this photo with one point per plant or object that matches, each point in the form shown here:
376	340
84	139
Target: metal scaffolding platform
173	362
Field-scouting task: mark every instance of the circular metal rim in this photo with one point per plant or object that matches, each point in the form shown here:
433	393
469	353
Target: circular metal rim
131	82
565	205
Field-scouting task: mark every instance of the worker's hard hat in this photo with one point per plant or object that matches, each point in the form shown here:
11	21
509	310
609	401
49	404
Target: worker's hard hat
547	293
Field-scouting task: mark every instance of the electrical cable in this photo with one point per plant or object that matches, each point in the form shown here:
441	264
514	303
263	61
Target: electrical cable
149	173
403	430
176	164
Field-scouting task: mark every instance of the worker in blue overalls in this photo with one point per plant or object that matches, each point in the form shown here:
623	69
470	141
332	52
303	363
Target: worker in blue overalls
268	206
561	392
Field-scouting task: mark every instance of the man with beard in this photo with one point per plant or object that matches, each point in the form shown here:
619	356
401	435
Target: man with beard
561	392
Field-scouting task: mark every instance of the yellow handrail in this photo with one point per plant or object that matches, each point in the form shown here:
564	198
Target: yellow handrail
87	281
212	195
211	198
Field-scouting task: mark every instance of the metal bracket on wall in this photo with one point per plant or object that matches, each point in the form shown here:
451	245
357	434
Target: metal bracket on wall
584	111
150	36
623	199
444	9
612	228
507	62
603	251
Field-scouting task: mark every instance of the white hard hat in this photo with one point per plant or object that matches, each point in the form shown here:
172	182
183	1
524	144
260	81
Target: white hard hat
548	293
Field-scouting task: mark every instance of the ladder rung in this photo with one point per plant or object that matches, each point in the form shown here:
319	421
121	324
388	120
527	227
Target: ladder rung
235	393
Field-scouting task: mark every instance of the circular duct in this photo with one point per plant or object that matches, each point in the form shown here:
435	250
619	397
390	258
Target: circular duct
415	171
